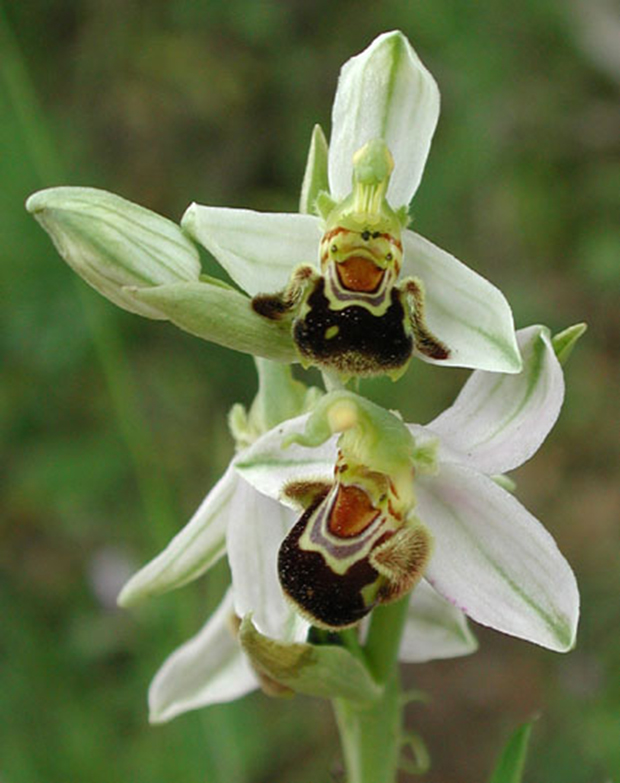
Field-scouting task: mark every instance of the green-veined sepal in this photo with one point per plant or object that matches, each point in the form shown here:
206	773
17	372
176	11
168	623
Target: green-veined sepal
218	314
384	92
207	669
495	560
498	421
465	311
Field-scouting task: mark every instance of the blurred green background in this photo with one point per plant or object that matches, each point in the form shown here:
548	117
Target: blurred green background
113	427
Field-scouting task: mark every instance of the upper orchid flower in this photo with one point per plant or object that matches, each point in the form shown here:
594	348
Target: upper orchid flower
343	285
337	268
489	559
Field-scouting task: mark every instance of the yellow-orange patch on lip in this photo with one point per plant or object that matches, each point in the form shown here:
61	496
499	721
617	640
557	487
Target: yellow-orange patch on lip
351	512
360	274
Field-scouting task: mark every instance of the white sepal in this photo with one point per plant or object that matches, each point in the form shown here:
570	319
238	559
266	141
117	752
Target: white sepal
499	421
257	528
192	551
469	314
259	250
495	561
384	92
208	669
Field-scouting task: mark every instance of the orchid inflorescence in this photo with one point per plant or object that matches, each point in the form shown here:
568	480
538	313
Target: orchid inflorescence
333	506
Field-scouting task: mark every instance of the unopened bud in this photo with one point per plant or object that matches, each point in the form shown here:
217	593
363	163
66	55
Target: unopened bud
113	244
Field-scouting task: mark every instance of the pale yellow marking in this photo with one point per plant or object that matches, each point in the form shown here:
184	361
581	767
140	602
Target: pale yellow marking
331	332
342	416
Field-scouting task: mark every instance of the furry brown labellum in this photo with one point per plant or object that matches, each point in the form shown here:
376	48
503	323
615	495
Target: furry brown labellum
354	547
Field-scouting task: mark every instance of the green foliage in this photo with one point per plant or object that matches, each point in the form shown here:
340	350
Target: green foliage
511	763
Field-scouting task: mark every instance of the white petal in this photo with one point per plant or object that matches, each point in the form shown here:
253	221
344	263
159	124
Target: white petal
468	313
499	421
192	551
384	92
259	250
257	528
267	466
208	669
434	628
495	561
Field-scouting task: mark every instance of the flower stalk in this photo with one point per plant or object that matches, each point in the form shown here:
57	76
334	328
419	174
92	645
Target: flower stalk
371	734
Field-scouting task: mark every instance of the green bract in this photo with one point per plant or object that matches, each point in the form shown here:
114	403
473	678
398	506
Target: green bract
326	670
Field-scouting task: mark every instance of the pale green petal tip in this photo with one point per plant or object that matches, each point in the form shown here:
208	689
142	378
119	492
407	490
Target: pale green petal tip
134	592
396	44
564	630
315	178
188	221
564	342
470	642
572	627
516	363
149	582
505	482
511	356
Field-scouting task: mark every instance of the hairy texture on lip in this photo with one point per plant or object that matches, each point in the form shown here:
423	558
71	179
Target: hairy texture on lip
364	343
325	598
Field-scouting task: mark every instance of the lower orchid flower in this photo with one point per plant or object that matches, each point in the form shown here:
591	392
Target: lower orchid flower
485	555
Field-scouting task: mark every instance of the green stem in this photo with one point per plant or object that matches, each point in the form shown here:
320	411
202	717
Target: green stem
371	735
386	629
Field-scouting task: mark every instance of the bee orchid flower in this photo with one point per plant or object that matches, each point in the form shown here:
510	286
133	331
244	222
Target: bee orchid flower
488	557
344	284
361	291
